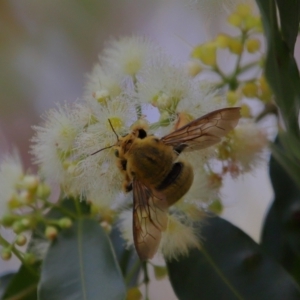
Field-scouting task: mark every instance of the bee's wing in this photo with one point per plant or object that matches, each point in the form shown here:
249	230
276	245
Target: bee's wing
150	218
204	131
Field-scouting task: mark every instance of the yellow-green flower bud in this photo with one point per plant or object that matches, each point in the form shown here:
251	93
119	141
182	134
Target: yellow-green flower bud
222	40
7	220
43	191
245	111
250	90
253	22
134	294
51	233
216	207
21	240
235	20
26	223
235	46
18	227
29	258
5	254
253	45
65	223
14	202
206	53
232	98
26	197
30	182
243	10
160	272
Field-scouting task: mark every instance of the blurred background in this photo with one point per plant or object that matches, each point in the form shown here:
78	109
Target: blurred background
48	46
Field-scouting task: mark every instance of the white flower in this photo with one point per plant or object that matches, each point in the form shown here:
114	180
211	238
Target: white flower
203	98
54	142
103	84
128	55
11	173
248	143
97	176
178	239
163	84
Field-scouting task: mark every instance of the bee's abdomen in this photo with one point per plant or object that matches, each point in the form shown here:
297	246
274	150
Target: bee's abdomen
177	183
171	177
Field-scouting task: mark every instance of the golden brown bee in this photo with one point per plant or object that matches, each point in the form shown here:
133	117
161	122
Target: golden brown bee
157	177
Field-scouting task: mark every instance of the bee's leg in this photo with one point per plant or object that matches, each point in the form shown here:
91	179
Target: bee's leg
127	183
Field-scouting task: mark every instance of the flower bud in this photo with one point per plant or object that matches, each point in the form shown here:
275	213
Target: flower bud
7	220
232	98
30	182
18	227
206	53
43	191
29	258
245	111
235	20
5	254
21	240
216	207
65	223
222	40
250	89
235	46
51	233
14	202
243	10
252	45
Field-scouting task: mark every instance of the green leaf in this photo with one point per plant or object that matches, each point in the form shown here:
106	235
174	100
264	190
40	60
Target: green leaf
289	12
23	285
81	264
281	68
129	262
4	282
230	265
281	230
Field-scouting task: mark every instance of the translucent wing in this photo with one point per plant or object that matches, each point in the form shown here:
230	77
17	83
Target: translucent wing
150	218
205	131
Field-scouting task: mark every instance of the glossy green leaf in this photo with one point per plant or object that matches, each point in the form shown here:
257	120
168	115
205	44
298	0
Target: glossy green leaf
281	230
81	264
23	286
229	266
281	68
4	282
129	262
289	12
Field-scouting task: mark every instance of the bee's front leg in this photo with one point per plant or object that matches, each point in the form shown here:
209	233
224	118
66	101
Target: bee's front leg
127	182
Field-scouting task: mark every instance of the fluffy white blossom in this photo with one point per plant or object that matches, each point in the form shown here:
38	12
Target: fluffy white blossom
75	146
128	55
53	143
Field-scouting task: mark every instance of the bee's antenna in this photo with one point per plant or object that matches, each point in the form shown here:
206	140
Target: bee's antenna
111	145
113	129
102	149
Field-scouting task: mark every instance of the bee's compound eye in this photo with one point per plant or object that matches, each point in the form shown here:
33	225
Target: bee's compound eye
142	133
117	153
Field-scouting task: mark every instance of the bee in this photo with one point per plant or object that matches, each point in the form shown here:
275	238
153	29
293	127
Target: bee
155	174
